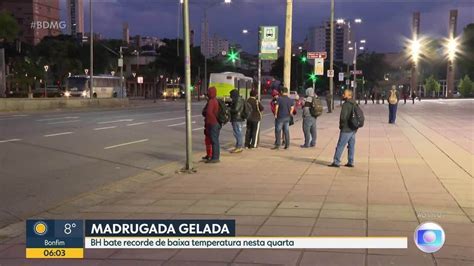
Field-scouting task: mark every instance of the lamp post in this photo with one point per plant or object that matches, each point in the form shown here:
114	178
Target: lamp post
288	40
415	48
187	85
451	47
46	67
91	15
355	49
120	64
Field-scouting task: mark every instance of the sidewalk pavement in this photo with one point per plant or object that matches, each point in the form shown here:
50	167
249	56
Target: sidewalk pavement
405	174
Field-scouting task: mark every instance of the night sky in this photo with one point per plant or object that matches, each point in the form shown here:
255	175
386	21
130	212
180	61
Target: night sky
385	22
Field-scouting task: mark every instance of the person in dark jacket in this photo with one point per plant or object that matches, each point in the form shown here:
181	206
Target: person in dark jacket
207	139
236	119
347	135
212	124
309	121
283	113
253	122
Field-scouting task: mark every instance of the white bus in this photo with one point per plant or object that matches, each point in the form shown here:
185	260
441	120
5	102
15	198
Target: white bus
227	81
104	87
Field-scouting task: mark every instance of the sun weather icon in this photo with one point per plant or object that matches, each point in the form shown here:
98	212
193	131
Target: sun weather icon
40	228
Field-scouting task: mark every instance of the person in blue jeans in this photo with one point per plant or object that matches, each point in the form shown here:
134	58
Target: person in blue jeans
347	136
283	111
309	121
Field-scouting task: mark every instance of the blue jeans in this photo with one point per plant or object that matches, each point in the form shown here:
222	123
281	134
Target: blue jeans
345	138
309	130
237	128
282	124
214	132
392	113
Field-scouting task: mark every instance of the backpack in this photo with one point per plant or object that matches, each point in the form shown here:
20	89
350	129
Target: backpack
247	110
316	108
223	115
393	97
357	118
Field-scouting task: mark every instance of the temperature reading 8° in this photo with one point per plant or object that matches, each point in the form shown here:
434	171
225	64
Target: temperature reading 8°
68	228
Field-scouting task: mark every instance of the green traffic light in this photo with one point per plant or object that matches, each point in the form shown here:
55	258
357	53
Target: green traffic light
233	56
313	77
304	59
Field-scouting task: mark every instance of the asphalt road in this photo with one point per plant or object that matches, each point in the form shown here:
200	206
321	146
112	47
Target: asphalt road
49	157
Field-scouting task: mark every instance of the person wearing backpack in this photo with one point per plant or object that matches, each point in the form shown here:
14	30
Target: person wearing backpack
237	119
347	134
212	124
310	113
392	105
253	122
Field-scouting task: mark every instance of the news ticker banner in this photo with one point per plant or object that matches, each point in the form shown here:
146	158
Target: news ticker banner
69	238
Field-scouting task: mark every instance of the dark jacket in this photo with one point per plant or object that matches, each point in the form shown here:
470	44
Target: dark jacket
257	109
346	113
236	107
212	108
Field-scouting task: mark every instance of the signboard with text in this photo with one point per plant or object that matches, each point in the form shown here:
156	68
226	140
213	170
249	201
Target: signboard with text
357	72
341	76
319	66
268	42
315	55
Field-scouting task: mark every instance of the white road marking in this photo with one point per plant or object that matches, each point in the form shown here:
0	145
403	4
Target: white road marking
9	140
180	124
58	134
125	144
57	118
136	124
115	121
104	128
64	122
199	128
171	119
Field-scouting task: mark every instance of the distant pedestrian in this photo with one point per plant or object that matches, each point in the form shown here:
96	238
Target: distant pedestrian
405	96
253	122
372	96
237	120
365	98
383	96
329	101
212	124
392	105
283	113
350	120
312	108
413	97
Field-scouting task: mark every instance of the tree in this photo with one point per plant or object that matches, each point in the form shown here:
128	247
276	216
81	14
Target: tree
466	55
9	28
374	68
466	86
432	85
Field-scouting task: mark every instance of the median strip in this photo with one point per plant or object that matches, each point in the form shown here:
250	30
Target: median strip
136	124
125	144
180	124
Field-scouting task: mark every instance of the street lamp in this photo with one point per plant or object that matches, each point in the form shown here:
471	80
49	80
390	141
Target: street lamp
46	67
358	20
451	46
245	31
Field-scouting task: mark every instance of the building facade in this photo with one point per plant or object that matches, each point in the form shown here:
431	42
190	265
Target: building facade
36	18
217	45
319	39
75	13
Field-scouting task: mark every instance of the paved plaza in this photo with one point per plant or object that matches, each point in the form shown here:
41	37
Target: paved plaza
420	169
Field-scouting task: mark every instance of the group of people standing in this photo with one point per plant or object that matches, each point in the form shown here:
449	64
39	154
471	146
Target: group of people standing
284	109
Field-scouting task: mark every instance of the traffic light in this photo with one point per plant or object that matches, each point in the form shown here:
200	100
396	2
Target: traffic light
304	56
313	77
233	56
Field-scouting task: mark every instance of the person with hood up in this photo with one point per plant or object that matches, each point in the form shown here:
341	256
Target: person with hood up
309	121
213	128
253	122
236	110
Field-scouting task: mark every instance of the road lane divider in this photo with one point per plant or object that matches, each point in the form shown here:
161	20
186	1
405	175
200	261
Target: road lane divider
199	128
58	134
136	124
57	118
115	121
104	128
180	124
125	144
64	122
9	140
171	119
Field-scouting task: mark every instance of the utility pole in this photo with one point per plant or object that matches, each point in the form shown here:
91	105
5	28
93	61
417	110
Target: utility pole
355	70
331	58
91	68
259	85
121	71
453	16
187	75
415	43
288	40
